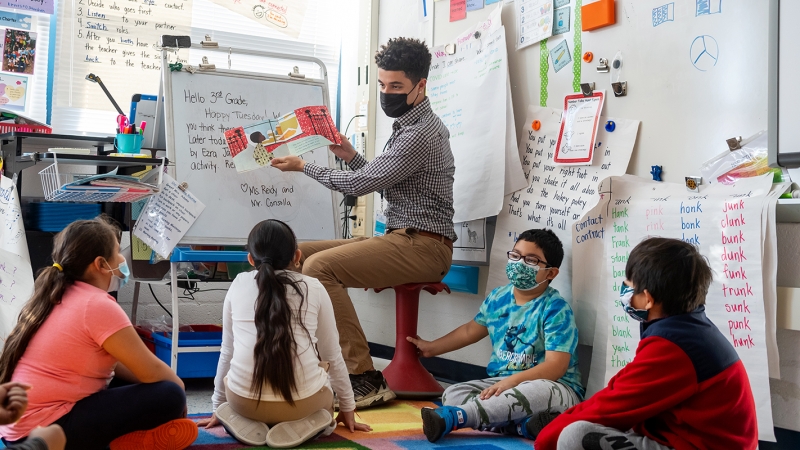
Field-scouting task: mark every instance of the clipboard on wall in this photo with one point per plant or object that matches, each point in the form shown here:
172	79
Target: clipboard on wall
143	108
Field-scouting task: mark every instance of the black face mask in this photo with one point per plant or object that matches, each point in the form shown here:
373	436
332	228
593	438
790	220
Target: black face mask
395	105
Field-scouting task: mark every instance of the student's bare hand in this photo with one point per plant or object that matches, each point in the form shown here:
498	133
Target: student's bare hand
288	164
349	421
344	151
14	401
497	388
211	422
425	347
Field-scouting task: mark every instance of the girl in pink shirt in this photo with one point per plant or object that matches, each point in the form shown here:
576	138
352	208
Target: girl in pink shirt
72	338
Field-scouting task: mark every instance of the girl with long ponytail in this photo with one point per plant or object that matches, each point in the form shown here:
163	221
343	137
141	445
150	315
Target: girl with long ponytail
72	338
279	342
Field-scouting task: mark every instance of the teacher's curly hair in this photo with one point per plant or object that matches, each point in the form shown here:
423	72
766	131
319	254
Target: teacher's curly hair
408	55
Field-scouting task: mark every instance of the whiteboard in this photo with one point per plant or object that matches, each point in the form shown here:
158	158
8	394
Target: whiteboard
199	108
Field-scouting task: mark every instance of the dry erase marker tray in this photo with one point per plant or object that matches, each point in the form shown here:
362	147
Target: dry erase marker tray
74	187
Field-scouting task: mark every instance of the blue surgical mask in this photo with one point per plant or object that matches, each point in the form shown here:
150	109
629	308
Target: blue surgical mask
625	296
521	275
116	282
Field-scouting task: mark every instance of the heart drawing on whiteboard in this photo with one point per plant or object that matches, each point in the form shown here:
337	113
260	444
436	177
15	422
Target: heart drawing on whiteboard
15	93
244	187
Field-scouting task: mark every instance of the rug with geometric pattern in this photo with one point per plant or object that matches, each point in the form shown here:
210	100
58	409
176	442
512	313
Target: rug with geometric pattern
397	426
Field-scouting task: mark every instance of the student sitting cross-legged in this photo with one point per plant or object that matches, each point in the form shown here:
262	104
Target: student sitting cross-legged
686	387
276	326
534	365
72	338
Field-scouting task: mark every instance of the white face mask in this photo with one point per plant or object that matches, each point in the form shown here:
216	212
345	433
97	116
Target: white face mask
116	283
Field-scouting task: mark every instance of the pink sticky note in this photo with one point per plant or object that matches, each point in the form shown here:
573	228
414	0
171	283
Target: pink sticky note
458	10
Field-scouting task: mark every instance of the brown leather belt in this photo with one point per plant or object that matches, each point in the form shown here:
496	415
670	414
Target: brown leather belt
443	239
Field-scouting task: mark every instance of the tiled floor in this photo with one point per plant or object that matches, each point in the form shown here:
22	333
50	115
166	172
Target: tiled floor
199	390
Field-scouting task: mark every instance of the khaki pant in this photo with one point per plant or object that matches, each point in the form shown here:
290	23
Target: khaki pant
401	257
273	413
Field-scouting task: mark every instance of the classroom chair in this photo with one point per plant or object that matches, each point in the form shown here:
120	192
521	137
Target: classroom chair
405	374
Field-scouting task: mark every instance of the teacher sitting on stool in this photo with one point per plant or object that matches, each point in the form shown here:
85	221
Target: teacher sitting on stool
415	173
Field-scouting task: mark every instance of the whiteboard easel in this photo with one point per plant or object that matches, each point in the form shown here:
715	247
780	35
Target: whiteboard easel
231	212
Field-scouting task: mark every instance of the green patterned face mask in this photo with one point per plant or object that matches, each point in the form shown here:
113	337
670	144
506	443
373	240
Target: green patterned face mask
521	275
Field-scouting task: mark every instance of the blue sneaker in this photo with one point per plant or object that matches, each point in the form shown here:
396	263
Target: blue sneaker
438	422
530	427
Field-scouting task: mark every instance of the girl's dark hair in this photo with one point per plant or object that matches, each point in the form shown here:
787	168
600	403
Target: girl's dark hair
74	249
673	271
272	244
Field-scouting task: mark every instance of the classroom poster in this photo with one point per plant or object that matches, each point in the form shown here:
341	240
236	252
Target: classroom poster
468	91
167	217
285	16
556	196
723	221
16	274
534	21
14	20
13	92
119	42
40	6
19	51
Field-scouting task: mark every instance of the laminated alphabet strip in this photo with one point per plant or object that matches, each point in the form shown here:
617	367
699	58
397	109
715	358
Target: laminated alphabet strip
724	222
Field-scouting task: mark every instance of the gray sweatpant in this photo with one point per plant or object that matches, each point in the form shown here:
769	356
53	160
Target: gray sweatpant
527	399
591	436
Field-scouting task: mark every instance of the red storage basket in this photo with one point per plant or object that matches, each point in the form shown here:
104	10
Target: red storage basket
24	128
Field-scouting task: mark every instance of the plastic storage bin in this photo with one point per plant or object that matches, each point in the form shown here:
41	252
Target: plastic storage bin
191	365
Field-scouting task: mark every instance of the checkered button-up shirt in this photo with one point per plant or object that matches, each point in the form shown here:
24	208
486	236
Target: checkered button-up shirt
415	172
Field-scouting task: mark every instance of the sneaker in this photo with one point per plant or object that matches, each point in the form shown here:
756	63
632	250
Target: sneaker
244	430
291	434
532	426
436	423
370	389
174	435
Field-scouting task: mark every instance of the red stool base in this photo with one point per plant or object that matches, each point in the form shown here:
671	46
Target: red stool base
405	374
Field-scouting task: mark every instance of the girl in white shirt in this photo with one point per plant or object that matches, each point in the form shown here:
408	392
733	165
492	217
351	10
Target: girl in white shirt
277	326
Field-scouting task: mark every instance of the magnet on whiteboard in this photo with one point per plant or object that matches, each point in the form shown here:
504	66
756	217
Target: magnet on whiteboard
603	67
620	88
588	57
693	183
611	126
617	63
183	186
655	171
536	125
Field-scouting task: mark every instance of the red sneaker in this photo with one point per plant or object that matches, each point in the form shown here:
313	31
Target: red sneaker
174	435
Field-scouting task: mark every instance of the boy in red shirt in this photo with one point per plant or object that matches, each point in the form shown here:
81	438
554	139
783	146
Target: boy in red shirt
686	387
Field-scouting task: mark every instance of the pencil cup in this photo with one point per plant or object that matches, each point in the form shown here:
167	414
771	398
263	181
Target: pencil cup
129	143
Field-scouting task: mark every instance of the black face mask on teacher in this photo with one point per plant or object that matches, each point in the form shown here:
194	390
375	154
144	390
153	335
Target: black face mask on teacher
395	105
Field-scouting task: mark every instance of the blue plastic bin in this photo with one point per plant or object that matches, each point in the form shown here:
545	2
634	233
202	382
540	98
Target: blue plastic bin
191	365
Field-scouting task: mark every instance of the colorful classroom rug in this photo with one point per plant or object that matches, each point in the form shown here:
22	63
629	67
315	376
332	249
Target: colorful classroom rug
395	427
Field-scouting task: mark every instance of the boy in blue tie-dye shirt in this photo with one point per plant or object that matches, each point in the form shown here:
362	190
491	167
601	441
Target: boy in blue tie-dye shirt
534	363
